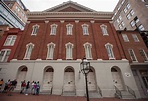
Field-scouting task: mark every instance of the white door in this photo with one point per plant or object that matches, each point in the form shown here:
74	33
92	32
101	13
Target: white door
69	82
47	80
117	80
21	77
91	81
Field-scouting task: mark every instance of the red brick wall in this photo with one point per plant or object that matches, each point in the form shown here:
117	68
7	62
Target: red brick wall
43	37
133	45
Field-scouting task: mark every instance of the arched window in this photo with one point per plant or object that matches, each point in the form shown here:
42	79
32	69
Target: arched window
87	47
69	29
50	51
104	29
53	29
69	47
10	40
85	29
29	48
109	48
35	29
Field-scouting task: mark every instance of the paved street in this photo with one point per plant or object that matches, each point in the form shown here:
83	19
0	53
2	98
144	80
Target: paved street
22	97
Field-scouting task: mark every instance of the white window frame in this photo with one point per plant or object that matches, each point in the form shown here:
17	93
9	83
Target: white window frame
35	29
128	6
125	10
120	26
125	38
5	56
50	51
69	29
104	29
85	29
87	48
29	48
143	54
143	0
122	23
141	28
135	37
10	40
132	12
132	23
109	48
69	50
128	16
132	55
53	29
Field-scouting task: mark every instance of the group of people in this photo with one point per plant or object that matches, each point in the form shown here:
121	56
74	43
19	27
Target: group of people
33	86
9	86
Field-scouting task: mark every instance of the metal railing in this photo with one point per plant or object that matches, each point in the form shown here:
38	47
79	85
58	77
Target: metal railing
51	90
130	91
99	91
118	92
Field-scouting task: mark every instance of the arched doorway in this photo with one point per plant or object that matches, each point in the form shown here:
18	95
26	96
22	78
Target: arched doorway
117	78
92	85
21	76
69	79
48	78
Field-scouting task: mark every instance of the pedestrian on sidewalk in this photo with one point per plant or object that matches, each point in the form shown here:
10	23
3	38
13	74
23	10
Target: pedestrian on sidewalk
35	87
7	85
23	86
27	87
1	83
38	88
13	85
32	87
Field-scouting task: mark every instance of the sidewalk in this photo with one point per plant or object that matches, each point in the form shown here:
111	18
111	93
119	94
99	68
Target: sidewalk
22	97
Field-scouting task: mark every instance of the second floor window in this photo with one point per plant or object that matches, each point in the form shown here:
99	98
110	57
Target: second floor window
53	29
88	53
69	29
132	55
85	29
4	55
10	40
109	48
135	37
29	48
104	29
143	54
69	48
125	38
35	29
50	51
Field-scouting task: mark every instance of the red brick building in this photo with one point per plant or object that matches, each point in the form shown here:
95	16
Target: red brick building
55	40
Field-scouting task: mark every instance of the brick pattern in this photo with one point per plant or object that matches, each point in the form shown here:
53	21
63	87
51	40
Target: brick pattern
43	37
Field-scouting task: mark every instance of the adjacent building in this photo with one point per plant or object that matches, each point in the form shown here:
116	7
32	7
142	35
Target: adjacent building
13	13
53	44
130	14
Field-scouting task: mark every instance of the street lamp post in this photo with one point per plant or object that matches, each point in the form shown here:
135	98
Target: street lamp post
85	68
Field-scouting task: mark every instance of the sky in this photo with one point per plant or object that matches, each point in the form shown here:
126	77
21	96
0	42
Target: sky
98	5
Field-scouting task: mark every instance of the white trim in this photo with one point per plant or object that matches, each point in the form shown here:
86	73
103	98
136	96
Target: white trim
104	29
69	50
69	29
4	55
132	55
10	40
35	31
88	52
85	29
50	52
110	51
53	29
27	50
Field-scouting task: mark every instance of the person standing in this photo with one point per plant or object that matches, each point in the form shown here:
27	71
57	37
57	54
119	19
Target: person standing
27	87
13	85
1	83
7	85
23	86
32	87
37	88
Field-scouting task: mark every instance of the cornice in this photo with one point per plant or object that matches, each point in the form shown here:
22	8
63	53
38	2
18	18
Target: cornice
44	15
